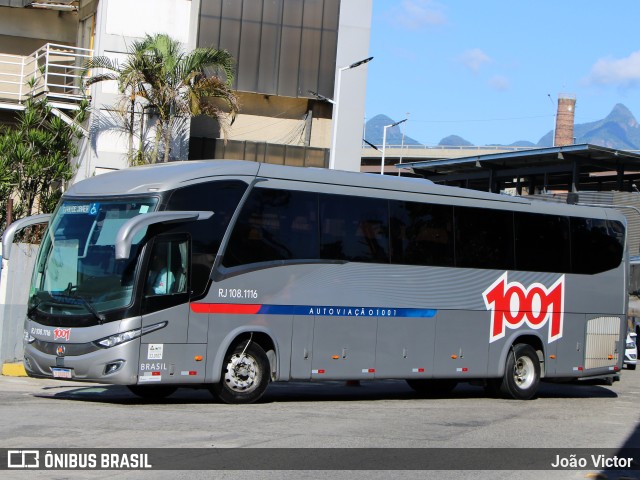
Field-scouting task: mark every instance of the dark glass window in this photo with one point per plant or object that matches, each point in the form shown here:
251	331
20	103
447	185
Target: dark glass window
283	225
484	238
421	234
275	225
542	243
354	229
168	268
206	235
596	245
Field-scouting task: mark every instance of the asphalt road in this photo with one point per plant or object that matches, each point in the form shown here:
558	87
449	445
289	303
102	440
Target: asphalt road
387	414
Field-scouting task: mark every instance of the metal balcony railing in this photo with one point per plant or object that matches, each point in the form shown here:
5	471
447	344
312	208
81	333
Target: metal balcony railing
53	70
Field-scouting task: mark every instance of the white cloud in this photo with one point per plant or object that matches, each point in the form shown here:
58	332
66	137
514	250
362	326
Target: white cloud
499	83
623	72
474	59
417	14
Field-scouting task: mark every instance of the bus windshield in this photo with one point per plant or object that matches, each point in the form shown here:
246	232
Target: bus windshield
76	271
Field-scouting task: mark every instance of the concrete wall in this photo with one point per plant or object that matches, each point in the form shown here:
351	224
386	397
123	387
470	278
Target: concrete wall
14	294
353	45
24	30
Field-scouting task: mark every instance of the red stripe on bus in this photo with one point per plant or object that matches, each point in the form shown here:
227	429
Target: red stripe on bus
233	308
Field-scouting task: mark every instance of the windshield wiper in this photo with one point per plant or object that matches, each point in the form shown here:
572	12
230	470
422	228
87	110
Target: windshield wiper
100	317
67	292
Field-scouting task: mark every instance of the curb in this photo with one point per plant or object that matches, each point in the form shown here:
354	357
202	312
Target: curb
14	370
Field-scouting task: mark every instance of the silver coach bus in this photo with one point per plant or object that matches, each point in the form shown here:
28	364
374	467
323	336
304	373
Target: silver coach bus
232	274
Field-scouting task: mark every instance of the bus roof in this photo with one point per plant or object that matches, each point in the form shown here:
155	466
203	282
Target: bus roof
167	176
160	177
149	179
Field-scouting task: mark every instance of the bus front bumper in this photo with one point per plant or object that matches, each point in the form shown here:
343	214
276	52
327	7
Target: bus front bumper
115	365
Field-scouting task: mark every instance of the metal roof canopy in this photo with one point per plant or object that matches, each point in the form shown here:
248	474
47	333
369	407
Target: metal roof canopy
569	168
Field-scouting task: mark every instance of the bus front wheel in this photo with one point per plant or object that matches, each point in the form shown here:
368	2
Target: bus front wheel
245	375
522	373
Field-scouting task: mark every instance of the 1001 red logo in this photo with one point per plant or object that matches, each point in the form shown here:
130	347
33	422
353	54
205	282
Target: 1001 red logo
512	305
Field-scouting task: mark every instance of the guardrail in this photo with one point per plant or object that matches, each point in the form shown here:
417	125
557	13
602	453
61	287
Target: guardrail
501	148
11	77
53	70
417	150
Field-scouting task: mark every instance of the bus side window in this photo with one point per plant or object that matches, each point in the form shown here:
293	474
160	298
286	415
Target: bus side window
354	228
595	246
542	242
421	234
274	225
168	268
484	238
220	197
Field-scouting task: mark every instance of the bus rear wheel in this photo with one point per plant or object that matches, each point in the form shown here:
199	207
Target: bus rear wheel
149	392
245	375
522	373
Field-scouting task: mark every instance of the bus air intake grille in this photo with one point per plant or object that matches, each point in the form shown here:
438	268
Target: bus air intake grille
71	349
603	334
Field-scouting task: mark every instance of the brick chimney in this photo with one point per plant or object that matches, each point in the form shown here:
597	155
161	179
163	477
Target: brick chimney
565	120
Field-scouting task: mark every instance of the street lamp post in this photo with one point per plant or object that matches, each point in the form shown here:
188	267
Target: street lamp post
384	142
336	105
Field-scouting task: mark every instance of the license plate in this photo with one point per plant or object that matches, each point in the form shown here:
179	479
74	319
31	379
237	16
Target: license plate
61	372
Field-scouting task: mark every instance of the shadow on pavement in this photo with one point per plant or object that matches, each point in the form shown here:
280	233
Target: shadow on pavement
338	391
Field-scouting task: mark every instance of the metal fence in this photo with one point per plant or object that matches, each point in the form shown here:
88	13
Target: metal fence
53	70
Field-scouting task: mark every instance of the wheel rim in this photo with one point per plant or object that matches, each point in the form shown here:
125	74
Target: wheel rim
524	373
242	373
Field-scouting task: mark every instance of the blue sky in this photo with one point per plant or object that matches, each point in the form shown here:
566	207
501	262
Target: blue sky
490	71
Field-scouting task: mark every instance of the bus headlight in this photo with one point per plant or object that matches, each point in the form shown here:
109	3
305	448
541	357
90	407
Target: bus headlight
118	338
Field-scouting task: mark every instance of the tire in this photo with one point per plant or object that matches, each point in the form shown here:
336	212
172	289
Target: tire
149	392
245	375
631	367
433	387
522	373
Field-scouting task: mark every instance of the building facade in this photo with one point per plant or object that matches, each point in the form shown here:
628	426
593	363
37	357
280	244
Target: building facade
288	54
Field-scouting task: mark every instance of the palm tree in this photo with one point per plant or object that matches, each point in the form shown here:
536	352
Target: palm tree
176	85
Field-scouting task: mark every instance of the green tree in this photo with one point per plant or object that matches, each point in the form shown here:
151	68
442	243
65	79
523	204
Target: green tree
174	84
35	159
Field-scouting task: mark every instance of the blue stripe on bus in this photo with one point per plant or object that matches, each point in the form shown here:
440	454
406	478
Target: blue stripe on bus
332	311
302	310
